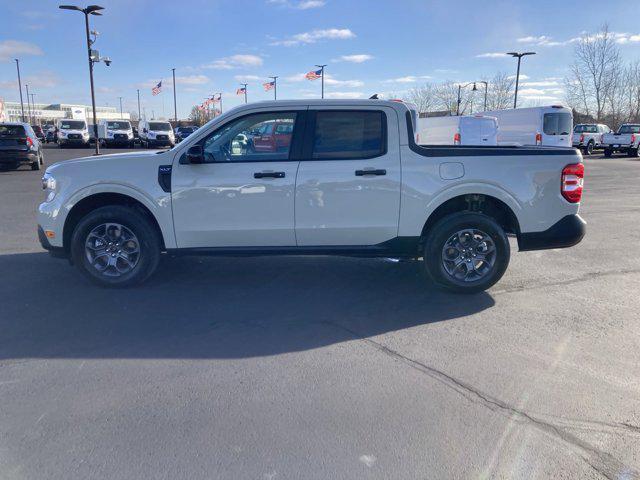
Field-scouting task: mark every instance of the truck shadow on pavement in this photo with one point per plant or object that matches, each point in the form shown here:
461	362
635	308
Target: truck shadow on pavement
215	307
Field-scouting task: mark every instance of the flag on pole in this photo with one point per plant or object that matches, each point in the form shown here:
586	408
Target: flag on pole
269	85
157	89
241	91
314	74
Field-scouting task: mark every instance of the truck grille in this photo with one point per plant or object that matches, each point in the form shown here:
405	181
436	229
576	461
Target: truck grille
74	136
162	138
120	136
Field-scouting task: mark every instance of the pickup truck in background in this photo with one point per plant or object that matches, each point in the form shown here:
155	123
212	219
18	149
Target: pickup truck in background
626	140
588	136
350	180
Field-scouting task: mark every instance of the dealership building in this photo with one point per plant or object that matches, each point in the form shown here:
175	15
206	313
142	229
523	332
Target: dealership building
48	113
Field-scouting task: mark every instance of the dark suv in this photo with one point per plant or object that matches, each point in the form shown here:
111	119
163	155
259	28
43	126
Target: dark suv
19	145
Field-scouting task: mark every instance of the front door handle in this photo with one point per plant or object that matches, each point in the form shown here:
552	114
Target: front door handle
269	175
362	173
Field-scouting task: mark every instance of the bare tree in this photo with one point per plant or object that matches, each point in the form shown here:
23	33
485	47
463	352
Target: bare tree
446	95
424	97
594	74
500	92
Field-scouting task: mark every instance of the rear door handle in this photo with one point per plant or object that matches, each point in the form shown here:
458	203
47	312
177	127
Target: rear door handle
362	173
269	175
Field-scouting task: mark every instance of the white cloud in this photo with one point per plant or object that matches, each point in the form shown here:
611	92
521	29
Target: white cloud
316	35
445	70
408	79
344	94
9	49
543	83
247	78
235	61
541	98
522	77
492	55
192	80
299	5
358	58
328	80
41	79
541	40
531	91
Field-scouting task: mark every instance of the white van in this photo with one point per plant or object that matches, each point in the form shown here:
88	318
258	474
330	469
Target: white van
457	130
549	126
72	132
115	132
156	133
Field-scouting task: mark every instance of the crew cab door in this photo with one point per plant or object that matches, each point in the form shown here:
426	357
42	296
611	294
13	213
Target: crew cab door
243	196
348	185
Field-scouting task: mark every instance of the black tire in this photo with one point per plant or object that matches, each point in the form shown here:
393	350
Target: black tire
36	165
608	152
136	222
444	229
634	152
41	158
589	148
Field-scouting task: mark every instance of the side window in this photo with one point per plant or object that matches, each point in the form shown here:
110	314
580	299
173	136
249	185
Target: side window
251	139
349	135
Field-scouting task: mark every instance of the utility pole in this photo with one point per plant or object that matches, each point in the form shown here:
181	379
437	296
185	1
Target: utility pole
121	117
519	57
26	85
486	89
139	105
20	88
244	86
175	105
33	104
275	87
321	67
219	99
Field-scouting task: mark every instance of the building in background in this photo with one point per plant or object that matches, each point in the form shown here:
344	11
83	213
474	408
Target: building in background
48	113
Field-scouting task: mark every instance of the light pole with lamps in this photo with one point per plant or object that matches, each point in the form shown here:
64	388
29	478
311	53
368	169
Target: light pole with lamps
460	87
120	98
20	88
26	85
486	89
93	56
519	57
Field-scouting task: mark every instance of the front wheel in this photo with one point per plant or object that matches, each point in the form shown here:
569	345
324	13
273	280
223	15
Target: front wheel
466	252
116	246
608	152
589	149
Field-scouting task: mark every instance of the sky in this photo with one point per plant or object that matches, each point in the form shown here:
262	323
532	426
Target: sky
369	47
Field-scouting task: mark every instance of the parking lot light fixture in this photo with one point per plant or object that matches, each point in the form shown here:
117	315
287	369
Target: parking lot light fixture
460	87
519	57
90	10
20	88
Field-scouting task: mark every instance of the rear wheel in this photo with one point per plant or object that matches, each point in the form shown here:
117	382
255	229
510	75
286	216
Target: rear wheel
634	152
589	148
116	246
466	252
608	152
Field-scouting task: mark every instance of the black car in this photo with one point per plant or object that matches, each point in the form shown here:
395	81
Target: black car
184	132
19	145
38	131
50	136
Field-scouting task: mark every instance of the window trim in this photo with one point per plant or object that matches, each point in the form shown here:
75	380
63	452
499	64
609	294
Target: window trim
296	140
310	130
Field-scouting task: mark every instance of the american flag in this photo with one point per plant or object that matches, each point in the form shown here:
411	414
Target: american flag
241	91
269	85
157	89
314	74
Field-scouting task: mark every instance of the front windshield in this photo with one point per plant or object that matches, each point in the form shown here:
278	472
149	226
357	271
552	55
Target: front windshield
585	129
160	126
73	125
629	129
118	125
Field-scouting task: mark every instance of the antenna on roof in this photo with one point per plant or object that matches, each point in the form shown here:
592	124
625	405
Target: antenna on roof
374	97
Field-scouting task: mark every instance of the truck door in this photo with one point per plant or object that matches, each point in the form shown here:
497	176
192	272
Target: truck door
348	183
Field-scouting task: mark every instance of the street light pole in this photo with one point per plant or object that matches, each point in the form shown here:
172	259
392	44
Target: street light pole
33	104
220	100
321	67
20	88
90	10
121	117
460	87
139	105
244	86
519	57
26	85
275	87
175	105
486	89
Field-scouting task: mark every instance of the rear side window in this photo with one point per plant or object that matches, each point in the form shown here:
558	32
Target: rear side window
585	129
557	123
12	131
348	135
629	129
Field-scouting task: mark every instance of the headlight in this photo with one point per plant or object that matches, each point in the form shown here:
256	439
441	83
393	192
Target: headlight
49	185
110	134
61	134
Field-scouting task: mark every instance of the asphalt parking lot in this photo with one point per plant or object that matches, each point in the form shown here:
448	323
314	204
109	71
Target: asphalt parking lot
288	368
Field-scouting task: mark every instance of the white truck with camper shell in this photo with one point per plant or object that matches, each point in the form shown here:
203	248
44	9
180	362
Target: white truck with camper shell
346	179
457	130
72	132
549	126
588	136
625	140
115	133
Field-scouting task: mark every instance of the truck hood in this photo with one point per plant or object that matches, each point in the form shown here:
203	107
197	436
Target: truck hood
67	132
97	161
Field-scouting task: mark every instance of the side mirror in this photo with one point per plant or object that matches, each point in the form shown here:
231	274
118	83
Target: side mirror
195	154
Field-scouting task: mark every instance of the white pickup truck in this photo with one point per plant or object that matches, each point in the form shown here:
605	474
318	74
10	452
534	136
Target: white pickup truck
626	140
588	136
326	177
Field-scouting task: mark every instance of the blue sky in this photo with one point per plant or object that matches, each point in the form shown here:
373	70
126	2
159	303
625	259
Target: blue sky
369	46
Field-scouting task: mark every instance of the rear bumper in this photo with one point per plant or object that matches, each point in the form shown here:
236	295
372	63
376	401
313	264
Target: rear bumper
9	157
567	232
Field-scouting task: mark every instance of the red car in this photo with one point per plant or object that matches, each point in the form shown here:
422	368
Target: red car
273	137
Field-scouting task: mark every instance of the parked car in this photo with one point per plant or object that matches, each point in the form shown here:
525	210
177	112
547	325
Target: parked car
19	145
351	181
457	130
72	132
547	126
588	136
156	134
272	136
51	136
183	132
38	131
112	133
625	140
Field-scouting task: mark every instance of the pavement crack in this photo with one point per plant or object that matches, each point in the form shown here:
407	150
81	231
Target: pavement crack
603	462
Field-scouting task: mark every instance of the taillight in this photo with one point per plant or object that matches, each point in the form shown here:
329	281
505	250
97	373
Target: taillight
582	138
538	139
633	138
456	139
572	182
29	142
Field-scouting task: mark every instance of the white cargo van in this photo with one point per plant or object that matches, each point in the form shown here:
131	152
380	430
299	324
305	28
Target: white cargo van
458	130
72	132
156	133
115	132
549	126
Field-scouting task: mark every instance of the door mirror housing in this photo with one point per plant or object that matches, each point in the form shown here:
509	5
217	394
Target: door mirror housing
195	154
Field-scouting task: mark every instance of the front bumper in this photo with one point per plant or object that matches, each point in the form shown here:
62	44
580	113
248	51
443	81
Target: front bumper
73	141
8	157
567	232
58	252
160	143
